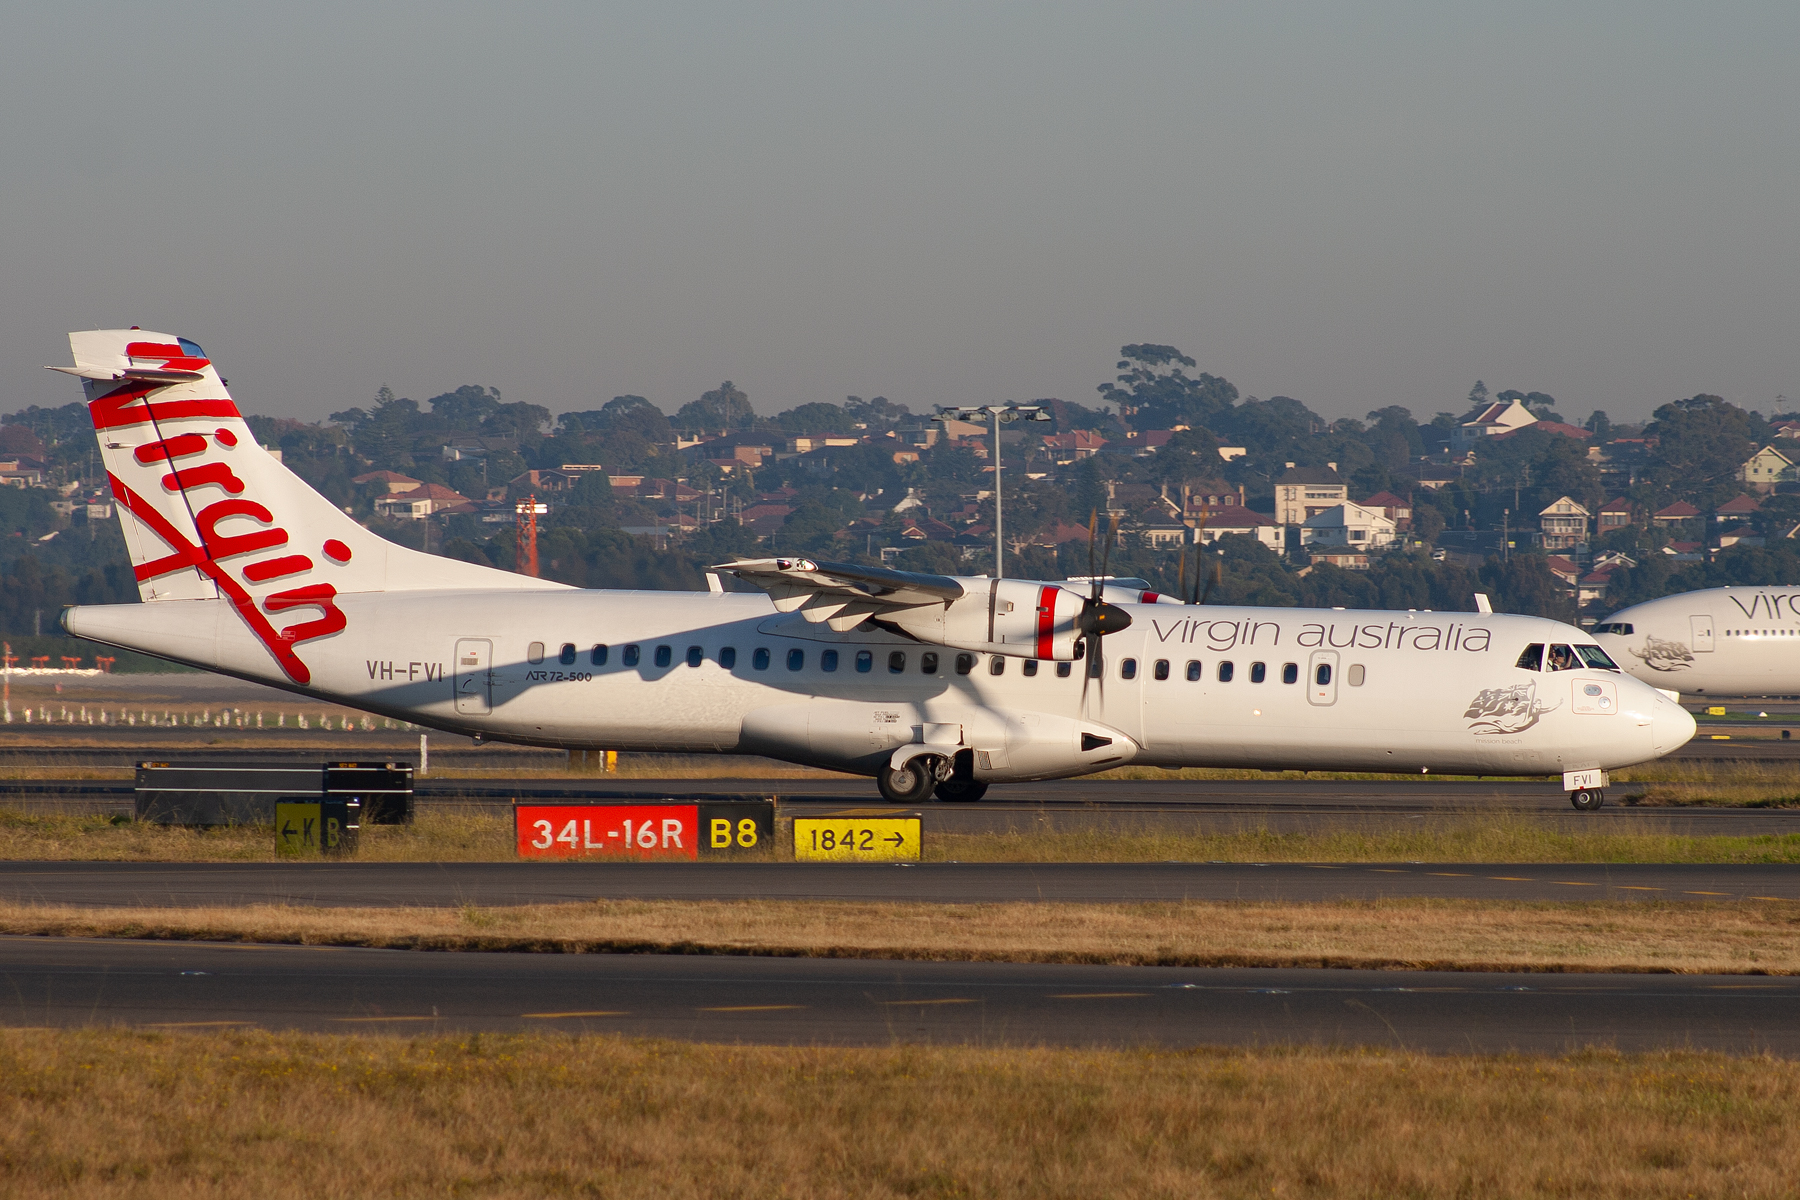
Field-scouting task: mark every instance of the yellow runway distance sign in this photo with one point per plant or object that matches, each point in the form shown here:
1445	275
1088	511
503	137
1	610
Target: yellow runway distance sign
856	839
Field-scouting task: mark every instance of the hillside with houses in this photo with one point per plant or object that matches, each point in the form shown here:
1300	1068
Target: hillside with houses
1278	505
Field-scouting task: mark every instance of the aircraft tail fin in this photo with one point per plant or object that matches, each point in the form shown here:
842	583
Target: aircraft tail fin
209	514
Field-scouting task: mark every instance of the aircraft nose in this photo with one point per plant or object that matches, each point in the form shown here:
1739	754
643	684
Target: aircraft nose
1672	726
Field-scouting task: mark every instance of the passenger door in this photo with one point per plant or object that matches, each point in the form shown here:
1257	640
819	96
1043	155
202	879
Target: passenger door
1702	629
474	677
1322	677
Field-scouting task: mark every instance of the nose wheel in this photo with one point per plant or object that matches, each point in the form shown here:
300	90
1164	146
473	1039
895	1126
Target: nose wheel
1587	799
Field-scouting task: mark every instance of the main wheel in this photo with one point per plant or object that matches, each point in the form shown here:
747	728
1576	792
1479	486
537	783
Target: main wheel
961	790
1587	799
911	784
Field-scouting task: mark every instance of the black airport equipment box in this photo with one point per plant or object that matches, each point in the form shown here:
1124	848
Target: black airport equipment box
227	793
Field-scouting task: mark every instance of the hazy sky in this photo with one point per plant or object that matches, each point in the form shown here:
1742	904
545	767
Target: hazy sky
1352	204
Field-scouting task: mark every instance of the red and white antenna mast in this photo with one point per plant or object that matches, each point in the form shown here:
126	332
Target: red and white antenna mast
525	526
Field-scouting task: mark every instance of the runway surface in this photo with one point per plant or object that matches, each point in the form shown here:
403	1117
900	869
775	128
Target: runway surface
457	884
194	986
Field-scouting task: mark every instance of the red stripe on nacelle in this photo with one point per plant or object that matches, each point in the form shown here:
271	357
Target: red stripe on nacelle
1046	623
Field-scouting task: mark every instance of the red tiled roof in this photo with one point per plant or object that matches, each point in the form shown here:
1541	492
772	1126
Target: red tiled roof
1677	511
1616	504
1740	506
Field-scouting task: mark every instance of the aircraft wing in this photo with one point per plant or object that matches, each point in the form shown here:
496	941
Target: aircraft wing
838	594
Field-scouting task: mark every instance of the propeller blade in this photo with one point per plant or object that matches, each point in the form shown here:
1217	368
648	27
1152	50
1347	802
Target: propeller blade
1181	573
1211	582
1112	532
1093	526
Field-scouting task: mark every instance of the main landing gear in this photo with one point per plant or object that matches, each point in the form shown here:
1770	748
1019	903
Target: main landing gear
912	783
951	778
1587	799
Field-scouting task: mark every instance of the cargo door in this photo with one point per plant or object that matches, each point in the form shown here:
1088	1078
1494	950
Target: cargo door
474	677
1322	677
1702	630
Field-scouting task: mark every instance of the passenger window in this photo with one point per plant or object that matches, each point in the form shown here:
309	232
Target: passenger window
1064	670
1355	677
796	659
865	662
998	666
1128	668
1532	657
728	657
1562	658
1323	675
630	657
664	656
597	656
1258	672
695	656
760	658
534	653
828	660
1290	672
896	662
1193	671
567	655
1162	668
1225	670
1030	667
965	663
928	663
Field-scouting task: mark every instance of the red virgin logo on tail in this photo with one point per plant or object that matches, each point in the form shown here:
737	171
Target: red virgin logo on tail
208	556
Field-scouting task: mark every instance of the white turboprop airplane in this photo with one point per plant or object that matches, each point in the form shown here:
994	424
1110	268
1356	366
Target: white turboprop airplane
1731	641
929	683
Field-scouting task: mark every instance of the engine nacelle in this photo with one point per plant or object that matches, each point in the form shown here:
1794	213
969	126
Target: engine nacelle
1014	617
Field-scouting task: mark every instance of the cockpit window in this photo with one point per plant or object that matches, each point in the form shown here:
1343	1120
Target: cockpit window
1561	658
1620	627
191	349
1594	656
1532	659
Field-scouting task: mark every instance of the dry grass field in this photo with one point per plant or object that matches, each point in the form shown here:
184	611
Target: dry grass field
1407	934
97	1113
442	836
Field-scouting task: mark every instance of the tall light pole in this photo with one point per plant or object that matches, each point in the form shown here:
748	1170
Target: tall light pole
998	413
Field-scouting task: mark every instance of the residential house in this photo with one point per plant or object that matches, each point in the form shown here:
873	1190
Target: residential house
1739	508
545	482
1685	551
1616	513
1228	520
1556	427
1591	588
420	502
1347	526
1202	495
1432	476
1764	469
1158	527
764	519
1065	448
1788	429
1304	492
1397	509
1675	514
21	471
1564	524
1564	568
806	445
1503	416
391	481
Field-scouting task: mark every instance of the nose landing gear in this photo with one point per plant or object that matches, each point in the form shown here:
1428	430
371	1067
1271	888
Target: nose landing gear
1587	799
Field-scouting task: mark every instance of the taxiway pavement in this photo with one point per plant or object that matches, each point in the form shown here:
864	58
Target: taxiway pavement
196	986
357	884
